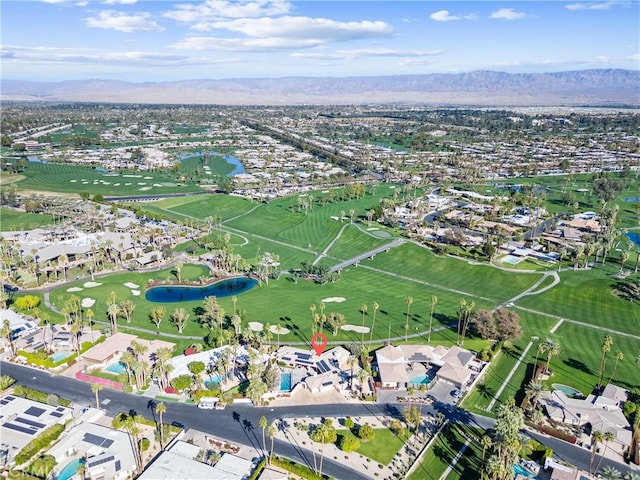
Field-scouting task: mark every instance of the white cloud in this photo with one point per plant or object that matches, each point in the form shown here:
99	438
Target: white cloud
284	32
350	54
591	6
507	14
83	56
110	19
119	2
213	10
443	16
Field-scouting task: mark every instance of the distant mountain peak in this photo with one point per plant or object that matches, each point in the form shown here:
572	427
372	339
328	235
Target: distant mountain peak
597	87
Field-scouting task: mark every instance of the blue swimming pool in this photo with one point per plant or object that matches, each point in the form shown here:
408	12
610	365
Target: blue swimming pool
59	356
183	293
511	259
421	379
70	469
567	390
285	382
634	237
215	378
520	470
116	368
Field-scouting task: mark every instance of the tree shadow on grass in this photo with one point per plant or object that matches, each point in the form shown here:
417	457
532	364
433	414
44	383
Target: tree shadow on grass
578	365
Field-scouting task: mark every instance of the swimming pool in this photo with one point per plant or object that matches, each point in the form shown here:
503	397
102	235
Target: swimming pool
285	382
567	390
511	259
215	378
70	469
520	470
117	368
59	356
424	379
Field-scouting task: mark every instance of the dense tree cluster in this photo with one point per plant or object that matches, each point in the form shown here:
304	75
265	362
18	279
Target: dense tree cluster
501	324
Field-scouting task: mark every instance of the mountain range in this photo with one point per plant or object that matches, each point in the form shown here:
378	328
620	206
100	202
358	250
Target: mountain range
597	87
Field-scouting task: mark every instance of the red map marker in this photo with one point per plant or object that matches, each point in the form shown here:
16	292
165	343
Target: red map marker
319	343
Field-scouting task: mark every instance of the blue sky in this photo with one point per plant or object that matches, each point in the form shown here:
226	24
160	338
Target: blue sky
144	40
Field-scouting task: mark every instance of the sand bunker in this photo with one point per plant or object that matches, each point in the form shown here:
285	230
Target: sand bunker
74	289
135	293
355	328
87	302
333	300
256	326
131	285
277	329
92	284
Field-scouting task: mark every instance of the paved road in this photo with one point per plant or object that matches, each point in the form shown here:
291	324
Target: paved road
239	423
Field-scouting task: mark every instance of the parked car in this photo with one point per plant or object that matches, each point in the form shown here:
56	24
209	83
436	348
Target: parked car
456	393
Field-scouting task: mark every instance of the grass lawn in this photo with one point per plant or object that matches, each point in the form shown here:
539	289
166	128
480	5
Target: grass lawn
444	449
417	262
75	179
586	296
382	448
11	219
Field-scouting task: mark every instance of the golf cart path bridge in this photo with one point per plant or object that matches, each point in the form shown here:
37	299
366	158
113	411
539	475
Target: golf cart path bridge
365	255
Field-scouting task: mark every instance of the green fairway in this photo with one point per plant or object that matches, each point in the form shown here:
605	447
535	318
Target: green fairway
413	261
65	178
11	219
586	296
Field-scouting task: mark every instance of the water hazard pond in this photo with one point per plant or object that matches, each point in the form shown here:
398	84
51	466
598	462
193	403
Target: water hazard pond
187	293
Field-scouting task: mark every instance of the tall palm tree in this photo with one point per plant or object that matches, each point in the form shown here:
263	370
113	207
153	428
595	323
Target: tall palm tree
161	409
363	309
95	388
112	311
352	361
539	350
312	308
552	348
607	341
485	443
262	423
409	302
434	300
271	433
607	437
618	356
375	307
6	333
596	437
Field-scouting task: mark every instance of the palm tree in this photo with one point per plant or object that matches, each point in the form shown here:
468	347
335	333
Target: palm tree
540	349
90	314
161	409
533	391
262	423
363	309
552	347
375	307
6	333
409	302
618	356
112	311
95	388
596	437
352	361
607	341
434	300
485	443
611	473
271	432
312	308
607	437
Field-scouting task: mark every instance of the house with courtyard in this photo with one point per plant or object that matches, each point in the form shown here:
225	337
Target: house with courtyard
412	365
108	453
594	413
